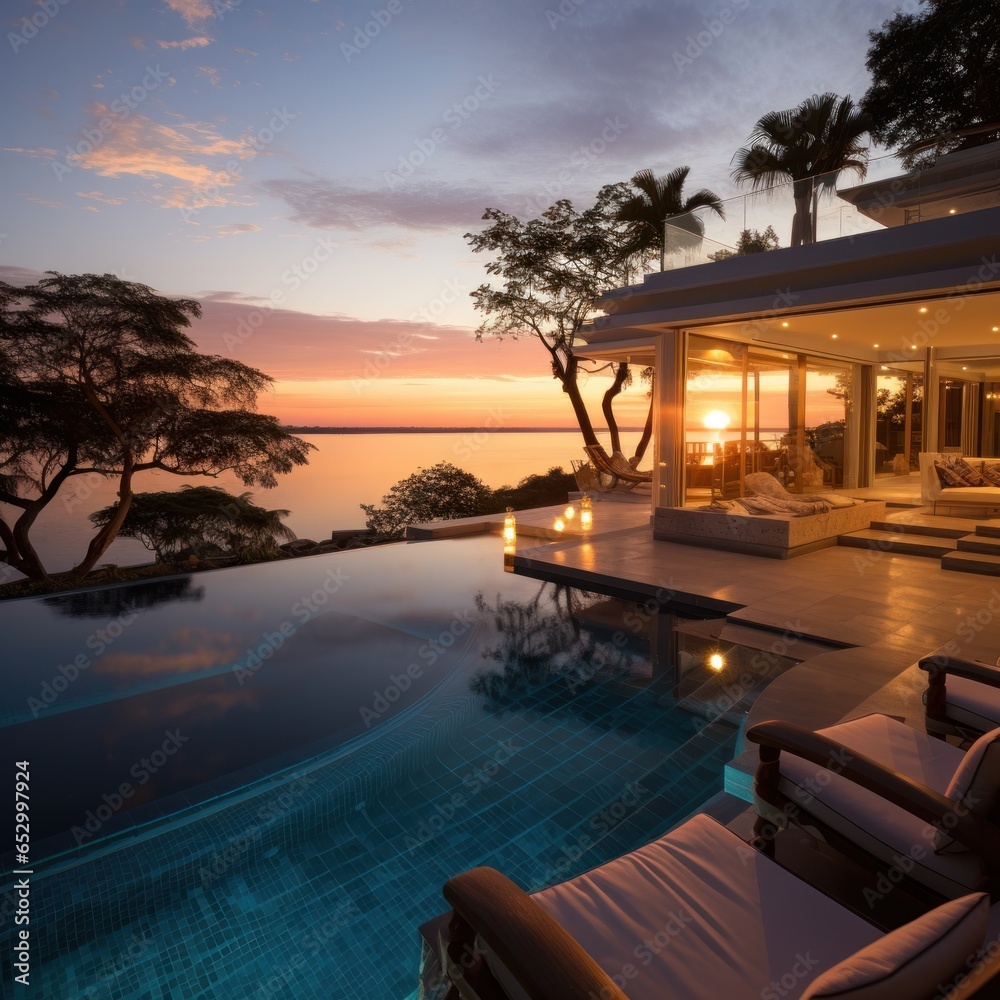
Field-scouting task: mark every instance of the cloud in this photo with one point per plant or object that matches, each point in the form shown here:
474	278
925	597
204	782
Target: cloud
344	347
244	51
97	196
193	11
236	228
141	147
214	77
198	42
427	206
42	201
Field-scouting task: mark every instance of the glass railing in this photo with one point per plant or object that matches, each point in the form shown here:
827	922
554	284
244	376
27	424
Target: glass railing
701	236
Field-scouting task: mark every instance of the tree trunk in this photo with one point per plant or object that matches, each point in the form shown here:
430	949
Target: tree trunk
802	222
566	371
647	435
100	542
607	405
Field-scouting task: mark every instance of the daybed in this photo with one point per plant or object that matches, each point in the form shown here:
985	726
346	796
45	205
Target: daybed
697	915
745	526
983	495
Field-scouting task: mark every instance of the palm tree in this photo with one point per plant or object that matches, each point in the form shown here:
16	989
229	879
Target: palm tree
659	198
811	144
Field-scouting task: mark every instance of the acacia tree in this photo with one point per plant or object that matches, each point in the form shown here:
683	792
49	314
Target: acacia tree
552	270
936	78
198	516
97	376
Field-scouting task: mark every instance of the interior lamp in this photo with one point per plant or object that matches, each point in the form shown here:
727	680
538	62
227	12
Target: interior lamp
569	513
586	513
560	524
716	662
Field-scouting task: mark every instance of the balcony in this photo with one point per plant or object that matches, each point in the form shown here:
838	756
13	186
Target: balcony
959	182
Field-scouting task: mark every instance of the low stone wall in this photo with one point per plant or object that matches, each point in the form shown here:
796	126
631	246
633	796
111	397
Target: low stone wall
777	536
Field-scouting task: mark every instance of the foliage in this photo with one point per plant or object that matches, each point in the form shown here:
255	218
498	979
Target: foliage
810	144
936	78
97	376
551	271
656	199
538	490
750	241
199	517
436	494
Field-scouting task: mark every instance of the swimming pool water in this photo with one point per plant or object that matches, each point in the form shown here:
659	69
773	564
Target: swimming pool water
356	794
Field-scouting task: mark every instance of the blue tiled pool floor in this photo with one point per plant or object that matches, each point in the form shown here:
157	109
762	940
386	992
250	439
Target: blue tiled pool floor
540	790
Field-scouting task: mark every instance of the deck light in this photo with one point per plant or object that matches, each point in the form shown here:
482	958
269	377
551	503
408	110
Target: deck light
716	662
509	528
586	513
559	525
569	513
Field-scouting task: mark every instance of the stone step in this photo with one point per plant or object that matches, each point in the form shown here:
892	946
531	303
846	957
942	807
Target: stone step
888	541
906	528
988	530
972	562
990	545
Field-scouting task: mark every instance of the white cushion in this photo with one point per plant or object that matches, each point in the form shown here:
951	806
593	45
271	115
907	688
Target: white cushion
975	783
888	832
972	703
913	960
698	913
970	494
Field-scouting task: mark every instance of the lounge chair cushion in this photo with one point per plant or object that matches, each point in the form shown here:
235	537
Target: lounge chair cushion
972	703
975	783
912	960
886	831
698	913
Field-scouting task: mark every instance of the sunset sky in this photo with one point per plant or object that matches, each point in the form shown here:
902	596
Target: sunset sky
307	169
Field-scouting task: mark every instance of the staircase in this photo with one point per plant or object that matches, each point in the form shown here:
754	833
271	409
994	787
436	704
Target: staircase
954	546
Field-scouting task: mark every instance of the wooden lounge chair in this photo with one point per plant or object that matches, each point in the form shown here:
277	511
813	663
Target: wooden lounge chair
883	791
616	467
696	915
962	697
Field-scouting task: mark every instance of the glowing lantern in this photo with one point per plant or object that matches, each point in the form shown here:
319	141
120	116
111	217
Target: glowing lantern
586	513
509	528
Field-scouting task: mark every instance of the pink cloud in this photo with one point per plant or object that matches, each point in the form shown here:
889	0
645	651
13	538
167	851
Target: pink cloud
193	11
199	42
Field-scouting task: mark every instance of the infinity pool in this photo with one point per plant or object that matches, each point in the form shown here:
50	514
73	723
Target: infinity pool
253	782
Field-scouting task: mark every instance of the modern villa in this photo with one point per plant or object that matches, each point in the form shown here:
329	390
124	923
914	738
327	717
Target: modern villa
861	364
646	746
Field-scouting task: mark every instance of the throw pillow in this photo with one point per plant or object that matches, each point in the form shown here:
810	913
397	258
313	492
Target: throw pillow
976	784
910	960
971	475
949	477
991	473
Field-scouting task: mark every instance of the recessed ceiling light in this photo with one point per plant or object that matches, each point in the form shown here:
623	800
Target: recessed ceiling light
913	347
885	368
875	346
923	309
784	324
996	329
951	211
833	336
965	368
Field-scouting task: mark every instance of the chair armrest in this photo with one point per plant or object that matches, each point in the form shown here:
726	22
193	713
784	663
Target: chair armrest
939	668
537	950
969	828
973	670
